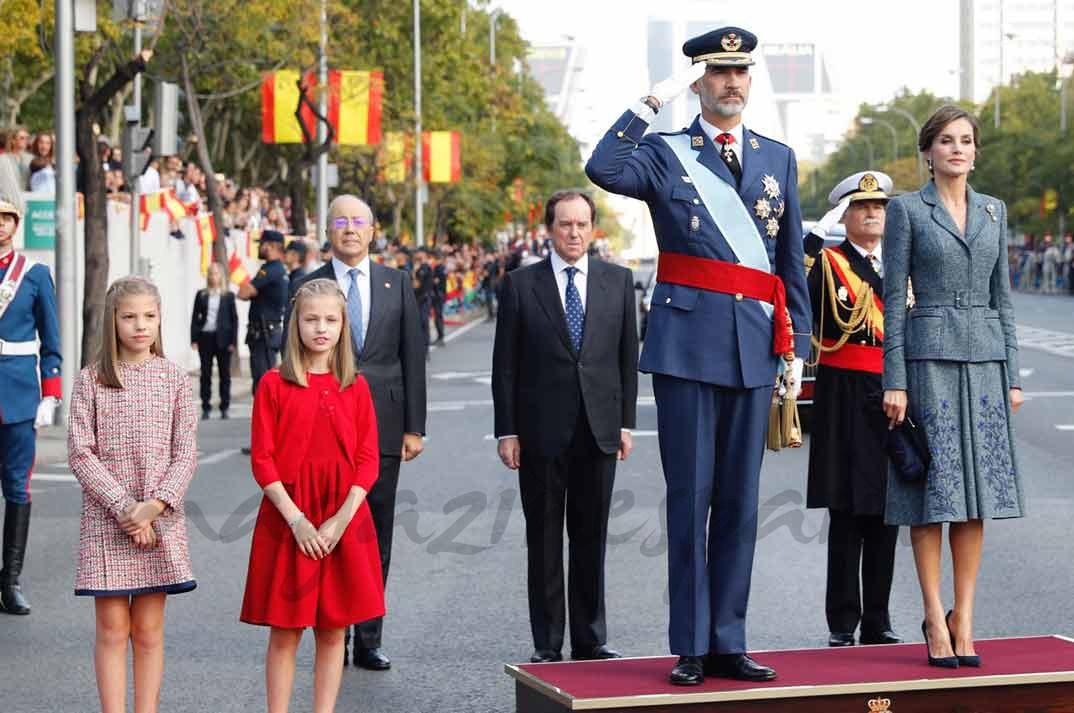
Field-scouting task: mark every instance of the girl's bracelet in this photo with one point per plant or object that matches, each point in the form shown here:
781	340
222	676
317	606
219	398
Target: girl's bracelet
294	523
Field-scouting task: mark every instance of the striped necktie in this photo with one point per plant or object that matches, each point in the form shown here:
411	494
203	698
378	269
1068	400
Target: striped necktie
575	313
354	311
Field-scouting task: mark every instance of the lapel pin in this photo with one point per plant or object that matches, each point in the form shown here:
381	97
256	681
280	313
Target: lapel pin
387	285
687	179
697	141
991	209
754	144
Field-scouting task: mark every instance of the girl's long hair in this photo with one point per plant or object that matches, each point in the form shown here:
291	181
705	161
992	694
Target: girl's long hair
130	286
296	356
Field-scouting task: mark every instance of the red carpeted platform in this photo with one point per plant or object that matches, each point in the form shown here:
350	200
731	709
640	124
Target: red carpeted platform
1023	674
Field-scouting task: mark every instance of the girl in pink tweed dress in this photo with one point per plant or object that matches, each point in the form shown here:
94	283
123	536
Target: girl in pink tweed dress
132	447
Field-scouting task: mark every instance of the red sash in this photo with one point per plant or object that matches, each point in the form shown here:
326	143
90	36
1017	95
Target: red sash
855	357
731	279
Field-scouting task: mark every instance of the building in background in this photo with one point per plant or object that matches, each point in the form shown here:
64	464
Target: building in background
1034	35
557	68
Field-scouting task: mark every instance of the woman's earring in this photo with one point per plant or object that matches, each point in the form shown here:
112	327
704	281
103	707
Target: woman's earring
929	161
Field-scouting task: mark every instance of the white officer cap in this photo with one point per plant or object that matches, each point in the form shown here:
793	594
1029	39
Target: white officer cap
862	186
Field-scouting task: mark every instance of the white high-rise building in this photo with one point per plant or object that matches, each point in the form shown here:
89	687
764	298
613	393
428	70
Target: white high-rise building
1001	38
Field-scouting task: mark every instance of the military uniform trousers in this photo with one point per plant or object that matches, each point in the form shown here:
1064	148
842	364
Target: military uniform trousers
577	484
712	441
848	476
17	451
264	350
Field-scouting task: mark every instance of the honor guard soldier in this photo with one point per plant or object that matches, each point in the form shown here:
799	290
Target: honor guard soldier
729	310
267	293
30	374
848	466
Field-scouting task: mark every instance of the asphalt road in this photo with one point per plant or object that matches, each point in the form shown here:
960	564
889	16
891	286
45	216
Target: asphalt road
456	597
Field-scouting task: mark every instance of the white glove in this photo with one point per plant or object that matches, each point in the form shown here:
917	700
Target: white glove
676	84
797	366
46	412
830	218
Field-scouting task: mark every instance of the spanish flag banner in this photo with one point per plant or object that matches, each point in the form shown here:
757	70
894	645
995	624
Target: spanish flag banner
206	229
355	100
174	207
279	99
395	157
441	157
238	272
148	204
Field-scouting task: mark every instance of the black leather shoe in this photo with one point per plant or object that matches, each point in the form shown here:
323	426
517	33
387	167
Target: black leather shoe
223	414
372	659
689	671
937	661
205	414
546	656
837	638
597	653
738	666
971	661
245	450
887	636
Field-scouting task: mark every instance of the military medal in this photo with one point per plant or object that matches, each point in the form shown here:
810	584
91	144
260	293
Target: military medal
7	293
771	186
697	141
762	209
695	223
772	227
842	293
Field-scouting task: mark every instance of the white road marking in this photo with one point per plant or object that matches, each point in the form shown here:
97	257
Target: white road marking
447	375
1046	340
1064	426
1025	373
462	330
219	456
53	478
1048	394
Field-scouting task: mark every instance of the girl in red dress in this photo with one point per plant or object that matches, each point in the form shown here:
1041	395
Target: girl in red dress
313	559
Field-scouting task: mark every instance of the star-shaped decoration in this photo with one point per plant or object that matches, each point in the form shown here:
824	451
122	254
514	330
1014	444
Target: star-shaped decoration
780	208
772	227
762	209
771	186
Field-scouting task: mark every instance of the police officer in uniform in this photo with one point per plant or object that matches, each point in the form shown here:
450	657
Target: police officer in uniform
439	296
422	280
729	310
31	390
268	293
848	467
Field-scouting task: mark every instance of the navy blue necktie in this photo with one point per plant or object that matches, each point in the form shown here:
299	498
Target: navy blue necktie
575	313
354	311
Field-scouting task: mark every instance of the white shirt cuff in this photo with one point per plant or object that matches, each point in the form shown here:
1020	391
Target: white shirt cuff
500	438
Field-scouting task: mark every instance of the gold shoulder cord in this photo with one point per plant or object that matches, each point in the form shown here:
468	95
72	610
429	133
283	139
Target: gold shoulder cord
859	311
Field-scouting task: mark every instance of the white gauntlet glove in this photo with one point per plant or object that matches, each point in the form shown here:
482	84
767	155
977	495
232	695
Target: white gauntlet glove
46	412
792	378
676	84
830	218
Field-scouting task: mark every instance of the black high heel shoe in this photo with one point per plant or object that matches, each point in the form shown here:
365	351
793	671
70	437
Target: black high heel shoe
974	661
939	662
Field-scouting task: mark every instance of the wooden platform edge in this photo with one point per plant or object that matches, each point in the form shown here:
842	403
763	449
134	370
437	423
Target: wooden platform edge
530	681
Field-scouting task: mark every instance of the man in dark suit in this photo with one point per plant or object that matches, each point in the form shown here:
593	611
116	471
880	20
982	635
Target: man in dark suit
214	333
391	356
565	385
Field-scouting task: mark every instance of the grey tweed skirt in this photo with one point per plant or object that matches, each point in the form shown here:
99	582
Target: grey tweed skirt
965	411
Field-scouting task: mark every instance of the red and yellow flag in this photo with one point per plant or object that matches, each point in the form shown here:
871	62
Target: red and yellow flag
206	229
355	101
238	271
441	157
148	204
279	99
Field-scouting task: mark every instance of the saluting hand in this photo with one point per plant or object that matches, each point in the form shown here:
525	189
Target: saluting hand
676	84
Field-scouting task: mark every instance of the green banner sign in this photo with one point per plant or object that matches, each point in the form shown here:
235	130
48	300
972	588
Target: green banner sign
39	230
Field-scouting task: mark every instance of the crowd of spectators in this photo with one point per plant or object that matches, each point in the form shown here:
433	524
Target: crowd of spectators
1043	265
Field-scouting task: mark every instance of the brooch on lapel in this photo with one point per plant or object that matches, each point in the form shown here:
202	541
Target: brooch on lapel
771	186
991	210
762	209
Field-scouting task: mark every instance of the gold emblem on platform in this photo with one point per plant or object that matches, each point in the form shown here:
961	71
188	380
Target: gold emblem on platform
771	186
991	210
697	141
772	227
731	42
880	705
762	209
695	223
780	208
868	183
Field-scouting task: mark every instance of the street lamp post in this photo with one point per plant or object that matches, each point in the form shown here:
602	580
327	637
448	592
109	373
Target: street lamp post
322	131
66	219
493	17
884	109
419	178
1065	69
869	120
869	155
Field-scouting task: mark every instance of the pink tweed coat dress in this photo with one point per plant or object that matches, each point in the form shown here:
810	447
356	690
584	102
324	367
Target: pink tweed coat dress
126	445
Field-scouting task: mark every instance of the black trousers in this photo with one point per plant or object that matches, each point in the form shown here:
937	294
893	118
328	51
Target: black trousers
262	358
438	309
578	484
859	542
424	307
382	508
208	351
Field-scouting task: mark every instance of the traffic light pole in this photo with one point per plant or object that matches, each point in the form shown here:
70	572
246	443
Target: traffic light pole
136	232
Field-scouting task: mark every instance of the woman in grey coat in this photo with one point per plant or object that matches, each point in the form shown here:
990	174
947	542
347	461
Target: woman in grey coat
951	363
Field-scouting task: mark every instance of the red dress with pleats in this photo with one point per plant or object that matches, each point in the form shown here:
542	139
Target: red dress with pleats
285	588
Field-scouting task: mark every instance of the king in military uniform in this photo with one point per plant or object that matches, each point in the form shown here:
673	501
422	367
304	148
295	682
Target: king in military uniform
847	462
30	374
729	310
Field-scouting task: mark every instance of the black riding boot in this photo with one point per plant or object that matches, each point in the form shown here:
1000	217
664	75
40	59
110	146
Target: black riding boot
16	531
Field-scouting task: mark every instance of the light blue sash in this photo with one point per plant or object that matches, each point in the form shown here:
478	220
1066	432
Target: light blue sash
726	208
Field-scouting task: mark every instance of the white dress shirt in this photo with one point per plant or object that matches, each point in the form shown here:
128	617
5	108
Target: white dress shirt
876	253
211	311
713	131
559	268
343	279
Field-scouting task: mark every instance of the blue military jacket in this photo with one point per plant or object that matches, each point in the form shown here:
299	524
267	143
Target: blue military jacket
31	315
694	333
